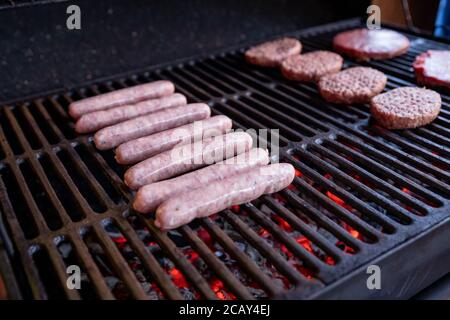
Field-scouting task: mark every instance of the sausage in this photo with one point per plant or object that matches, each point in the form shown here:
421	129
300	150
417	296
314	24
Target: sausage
121	97
117	134
140	149
219	195
149	197
99	119
187	157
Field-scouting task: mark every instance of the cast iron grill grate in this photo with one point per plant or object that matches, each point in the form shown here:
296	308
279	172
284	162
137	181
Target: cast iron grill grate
360	190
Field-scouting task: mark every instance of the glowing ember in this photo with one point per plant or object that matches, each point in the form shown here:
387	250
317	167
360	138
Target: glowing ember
178	279
205	236
330	261
336	199
345	248
354	233
283	223
406	190
235	208
305	243
191	255
304	271
120	241
263	233
298	173
218	287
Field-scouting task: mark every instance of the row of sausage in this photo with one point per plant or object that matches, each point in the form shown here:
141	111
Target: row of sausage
185	164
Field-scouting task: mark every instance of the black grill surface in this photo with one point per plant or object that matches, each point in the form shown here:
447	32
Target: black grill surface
362	195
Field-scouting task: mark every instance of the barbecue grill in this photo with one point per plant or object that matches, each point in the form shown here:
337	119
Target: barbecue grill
363	195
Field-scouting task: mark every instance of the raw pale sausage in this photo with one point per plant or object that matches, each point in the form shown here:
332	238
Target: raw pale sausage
219	195
140	149
115	135
187	157
121	97
100	119
149	197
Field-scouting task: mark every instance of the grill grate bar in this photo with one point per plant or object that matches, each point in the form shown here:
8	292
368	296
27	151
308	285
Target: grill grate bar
148	260
60	269
402	155
252	123
36	216
264	248
432	145
384	157
91	268
219	268
119	264
411	147
246	263
322	220
371	177
304	228
28	264
191	77
369	231
189	271
388	226
313	122
267	119
397	178
310	260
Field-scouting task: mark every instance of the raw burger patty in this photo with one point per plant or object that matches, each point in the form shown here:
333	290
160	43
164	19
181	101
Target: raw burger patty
433	68
353	85
406	107
364	44
272	53
311	66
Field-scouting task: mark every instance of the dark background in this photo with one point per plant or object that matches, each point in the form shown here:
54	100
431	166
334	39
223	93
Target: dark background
38	53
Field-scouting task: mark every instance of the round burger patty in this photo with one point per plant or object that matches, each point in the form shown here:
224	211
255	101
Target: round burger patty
353	85
311	66
433	68
272	53
406	107
365	44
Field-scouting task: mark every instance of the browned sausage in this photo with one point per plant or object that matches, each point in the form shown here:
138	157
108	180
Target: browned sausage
140	149
219	195
99	119
187	157
149	197
117	134
121	97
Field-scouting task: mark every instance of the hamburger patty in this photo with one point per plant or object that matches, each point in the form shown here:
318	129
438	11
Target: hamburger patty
406	107
364	44
311	66
353	85
433	68
272	53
